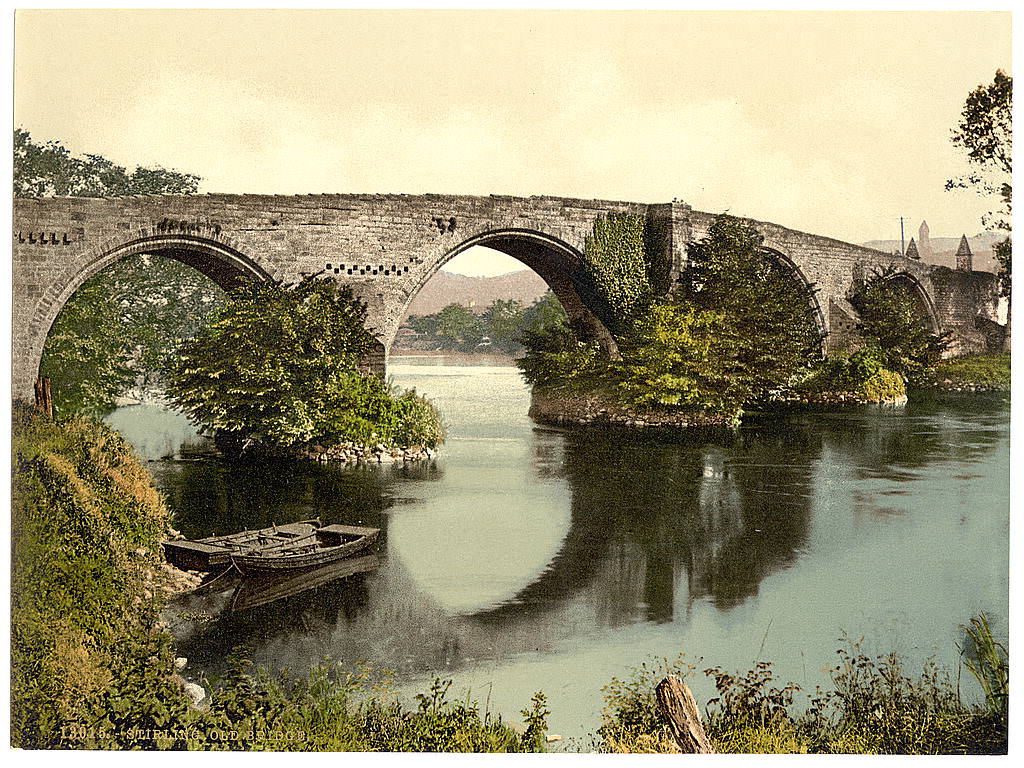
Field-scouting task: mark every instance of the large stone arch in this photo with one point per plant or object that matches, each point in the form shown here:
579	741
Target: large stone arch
809	290
925	302
559	264
222	263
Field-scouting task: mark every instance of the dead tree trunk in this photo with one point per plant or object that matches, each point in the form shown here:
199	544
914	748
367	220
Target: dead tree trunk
44	400
679	709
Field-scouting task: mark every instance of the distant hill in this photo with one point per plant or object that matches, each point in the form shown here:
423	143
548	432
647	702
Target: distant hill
944	250
446	288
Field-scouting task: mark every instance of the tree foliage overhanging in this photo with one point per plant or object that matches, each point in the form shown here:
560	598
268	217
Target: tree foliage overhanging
739	328
985	131
122	323
278	368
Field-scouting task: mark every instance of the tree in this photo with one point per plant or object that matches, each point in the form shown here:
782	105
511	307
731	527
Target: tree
769	321
125	320
893	320
458	327
277	368
503	321
986	133
87	354
48	169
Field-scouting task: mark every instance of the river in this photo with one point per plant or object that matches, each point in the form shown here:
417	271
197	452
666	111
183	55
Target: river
524	558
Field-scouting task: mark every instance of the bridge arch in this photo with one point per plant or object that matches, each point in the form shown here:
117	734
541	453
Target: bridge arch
923	296
558	263
222	263
806	286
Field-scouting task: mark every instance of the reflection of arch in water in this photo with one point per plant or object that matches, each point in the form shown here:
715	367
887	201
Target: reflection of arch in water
725	516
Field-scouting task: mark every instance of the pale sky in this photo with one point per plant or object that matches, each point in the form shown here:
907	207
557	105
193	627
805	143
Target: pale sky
831	123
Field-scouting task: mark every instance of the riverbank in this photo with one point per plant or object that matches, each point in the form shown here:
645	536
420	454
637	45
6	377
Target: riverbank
93	666
600	409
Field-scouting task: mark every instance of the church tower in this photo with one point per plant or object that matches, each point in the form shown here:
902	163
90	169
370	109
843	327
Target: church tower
924	243
964	258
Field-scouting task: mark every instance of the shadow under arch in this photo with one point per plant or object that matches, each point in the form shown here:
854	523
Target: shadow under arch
559	264
223	264
924	299
806	286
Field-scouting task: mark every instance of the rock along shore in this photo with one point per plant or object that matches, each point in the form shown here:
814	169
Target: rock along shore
565	409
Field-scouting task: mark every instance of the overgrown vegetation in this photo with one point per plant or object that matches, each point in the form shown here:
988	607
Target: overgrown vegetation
617	262
119	327
862	377
985	131
91	668
894	322
739	329
278	369
977	371
872	707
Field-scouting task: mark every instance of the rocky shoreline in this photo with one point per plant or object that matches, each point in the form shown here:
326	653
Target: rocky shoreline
350	453
562	409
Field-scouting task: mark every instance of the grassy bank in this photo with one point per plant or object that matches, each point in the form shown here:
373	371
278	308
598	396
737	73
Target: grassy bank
92	667
971	373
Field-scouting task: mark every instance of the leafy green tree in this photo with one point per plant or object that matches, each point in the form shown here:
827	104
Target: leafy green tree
545	325
277	368
986	133
503	322
679	357
87	355
770	326
458	327
48	169
893	319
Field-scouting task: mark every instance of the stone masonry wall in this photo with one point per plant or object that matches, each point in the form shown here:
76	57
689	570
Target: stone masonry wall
385	247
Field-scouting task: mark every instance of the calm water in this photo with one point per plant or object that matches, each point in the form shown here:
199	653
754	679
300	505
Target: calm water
525	559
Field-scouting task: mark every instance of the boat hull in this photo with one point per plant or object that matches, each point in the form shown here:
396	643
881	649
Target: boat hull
358	540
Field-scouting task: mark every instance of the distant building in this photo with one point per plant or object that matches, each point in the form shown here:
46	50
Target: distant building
912	251
924	243
964	257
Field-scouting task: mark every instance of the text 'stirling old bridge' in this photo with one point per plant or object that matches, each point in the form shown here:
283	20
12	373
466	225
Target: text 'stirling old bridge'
387	246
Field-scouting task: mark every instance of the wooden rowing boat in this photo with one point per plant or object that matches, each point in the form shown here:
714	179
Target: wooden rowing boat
326	544
214	552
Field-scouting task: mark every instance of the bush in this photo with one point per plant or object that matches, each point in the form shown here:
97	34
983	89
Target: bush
86	527
680	357
862	375
278	368
973	370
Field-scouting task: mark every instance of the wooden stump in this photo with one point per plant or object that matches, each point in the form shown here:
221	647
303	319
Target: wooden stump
679	709
44	400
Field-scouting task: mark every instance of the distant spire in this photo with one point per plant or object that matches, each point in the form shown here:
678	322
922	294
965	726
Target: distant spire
964	258
912	251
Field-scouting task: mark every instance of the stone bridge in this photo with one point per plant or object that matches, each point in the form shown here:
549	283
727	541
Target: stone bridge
386	247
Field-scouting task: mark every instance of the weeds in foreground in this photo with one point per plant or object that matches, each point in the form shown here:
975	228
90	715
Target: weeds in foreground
872	707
